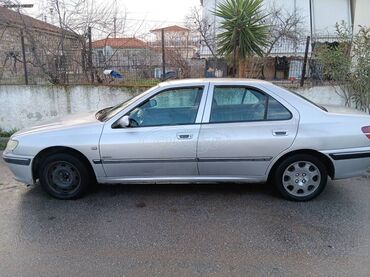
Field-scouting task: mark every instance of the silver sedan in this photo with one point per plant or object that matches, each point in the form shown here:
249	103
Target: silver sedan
223	130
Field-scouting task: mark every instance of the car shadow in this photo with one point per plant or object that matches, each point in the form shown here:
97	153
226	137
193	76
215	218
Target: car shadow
173	189
234	195
253	209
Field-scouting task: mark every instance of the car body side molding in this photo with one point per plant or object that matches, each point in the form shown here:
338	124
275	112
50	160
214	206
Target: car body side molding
246	159
349	155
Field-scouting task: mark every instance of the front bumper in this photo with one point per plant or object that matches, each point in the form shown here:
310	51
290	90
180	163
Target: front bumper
20	166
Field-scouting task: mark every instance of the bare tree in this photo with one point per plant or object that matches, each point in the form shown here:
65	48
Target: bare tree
80	16
196	22
284	25
66	49
287	28
175	58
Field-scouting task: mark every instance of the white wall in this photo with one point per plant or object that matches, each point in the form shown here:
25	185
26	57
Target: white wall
22	106
326	13
361	14
324	95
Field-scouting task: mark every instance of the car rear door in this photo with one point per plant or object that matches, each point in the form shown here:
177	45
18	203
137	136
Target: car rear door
162	141
243	129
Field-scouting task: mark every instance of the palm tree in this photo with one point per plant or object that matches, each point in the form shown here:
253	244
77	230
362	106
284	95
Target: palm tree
244	31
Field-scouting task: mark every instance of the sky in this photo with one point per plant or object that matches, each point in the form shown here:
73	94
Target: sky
156	13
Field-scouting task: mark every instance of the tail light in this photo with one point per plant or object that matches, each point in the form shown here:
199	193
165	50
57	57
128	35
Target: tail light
366	131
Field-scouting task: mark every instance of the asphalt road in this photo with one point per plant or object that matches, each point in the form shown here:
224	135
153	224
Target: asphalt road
184	230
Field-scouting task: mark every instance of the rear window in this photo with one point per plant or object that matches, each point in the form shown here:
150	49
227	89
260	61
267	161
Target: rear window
277	111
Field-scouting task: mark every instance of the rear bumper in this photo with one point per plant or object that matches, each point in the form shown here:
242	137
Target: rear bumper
350	162
20	166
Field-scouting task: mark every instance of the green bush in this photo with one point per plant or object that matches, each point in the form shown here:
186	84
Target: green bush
7	134
3	143
347	65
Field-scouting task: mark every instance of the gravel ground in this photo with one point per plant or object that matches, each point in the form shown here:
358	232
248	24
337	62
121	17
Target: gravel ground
184	230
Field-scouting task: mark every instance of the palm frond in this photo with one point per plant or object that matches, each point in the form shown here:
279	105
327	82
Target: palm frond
243	27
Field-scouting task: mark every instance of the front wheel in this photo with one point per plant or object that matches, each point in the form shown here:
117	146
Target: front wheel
63	176
301	177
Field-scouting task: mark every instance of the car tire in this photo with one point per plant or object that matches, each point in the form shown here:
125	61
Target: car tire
300	177
64	176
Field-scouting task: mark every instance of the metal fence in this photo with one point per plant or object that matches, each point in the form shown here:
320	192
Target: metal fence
133	61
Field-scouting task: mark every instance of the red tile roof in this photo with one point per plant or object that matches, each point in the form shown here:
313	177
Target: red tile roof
119	43
10	17
173	28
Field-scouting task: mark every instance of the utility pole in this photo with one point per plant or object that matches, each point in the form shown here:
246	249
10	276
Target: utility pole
163	57
90	54
305	61
115	20
24	59
311	18
115	27
234	55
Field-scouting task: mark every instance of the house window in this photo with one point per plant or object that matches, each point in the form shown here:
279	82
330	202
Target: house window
101	57
61	63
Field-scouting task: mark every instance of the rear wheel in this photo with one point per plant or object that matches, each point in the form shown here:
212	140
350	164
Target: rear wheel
64	176
301	177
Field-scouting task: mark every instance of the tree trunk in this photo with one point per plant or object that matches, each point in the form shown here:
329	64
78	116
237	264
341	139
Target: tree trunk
242	65
234	62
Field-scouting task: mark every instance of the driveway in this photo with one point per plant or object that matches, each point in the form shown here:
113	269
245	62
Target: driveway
184	230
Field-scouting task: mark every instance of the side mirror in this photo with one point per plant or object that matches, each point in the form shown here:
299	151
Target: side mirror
152	103
123	122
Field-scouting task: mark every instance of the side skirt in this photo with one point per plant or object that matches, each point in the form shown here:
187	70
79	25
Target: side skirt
187	179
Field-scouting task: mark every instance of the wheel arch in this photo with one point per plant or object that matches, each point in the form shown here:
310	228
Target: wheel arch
322	157
55	150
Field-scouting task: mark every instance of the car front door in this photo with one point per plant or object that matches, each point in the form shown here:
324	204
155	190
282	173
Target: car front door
162	137
243	130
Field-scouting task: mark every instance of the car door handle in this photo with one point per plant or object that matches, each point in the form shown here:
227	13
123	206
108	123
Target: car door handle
184	136
280	132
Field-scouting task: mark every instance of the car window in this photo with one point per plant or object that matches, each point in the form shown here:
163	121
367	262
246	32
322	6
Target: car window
236	104
277	111
233	104
237	95
170	107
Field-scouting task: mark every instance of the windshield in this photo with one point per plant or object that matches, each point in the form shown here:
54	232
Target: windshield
107	113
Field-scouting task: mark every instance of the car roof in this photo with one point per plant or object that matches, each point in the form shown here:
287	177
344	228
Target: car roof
212	80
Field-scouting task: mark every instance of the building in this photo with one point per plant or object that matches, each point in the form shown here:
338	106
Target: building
177	39
130	56
181	47
360	14
51	54
319	16
318	20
